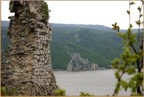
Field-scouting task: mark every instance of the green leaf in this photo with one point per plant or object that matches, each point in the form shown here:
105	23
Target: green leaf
131	3
122	35
131	25
115	63
124	84
133	38
127	54
128	12
138	22
123	56
139	9
121	67
130	70
129	31
115	27
134	58
117	88
117	75
118	28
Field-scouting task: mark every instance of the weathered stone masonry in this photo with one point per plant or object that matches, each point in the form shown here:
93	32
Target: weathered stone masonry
27	66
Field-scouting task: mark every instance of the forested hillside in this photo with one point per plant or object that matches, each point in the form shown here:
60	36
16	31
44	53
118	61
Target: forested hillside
97	43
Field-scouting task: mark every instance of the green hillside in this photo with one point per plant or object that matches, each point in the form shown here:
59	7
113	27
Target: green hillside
5	39
98	46
97	43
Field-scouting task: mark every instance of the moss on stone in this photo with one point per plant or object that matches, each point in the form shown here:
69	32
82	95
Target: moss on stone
4	91
45	10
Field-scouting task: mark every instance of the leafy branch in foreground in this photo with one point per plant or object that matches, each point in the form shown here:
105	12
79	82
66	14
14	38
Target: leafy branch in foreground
130	61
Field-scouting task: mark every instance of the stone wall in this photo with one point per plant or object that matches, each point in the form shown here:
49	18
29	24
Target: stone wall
27	66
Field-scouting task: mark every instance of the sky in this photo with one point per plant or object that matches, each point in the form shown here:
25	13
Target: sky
86	12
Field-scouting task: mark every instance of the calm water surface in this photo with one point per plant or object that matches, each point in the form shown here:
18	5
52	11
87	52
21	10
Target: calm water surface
100	82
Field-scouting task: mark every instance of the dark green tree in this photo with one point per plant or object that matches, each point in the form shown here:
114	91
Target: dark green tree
130	61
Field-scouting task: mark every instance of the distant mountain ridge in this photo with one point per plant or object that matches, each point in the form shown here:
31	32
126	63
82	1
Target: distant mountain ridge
98	27
91	26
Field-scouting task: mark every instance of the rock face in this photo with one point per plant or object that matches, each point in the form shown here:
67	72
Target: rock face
94	66
26	67
80	64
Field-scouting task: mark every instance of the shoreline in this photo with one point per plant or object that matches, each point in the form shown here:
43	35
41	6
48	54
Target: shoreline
82	71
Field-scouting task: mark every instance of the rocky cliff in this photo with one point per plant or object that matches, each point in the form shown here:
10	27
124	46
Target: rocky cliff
27	66
78	63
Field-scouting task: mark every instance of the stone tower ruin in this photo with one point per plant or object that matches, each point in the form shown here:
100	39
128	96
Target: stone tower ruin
26	66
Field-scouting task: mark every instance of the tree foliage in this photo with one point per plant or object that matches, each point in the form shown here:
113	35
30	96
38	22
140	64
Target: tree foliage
130	61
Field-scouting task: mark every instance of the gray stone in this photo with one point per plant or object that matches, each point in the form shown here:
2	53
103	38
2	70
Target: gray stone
78	63
26	65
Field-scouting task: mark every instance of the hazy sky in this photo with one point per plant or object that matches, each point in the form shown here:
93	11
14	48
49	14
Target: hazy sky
86	12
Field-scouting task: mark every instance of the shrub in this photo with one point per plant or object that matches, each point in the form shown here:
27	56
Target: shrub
4	91
85	94
59	92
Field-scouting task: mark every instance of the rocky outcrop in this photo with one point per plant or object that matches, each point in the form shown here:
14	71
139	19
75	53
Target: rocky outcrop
80	64
94	66
26	66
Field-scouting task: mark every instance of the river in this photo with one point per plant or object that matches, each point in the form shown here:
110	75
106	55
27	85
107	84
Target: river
100	82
